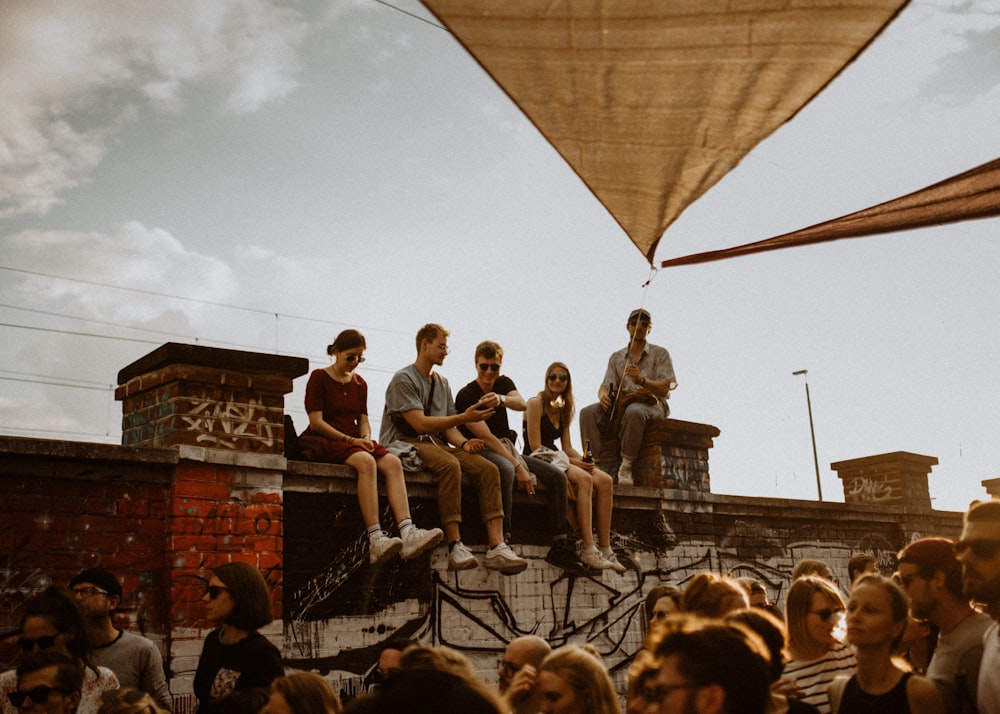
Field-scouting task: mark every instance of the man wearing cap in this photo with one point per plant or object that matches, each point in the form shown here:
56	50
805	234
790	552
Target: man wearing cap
978	551
134	659
635	388
932	577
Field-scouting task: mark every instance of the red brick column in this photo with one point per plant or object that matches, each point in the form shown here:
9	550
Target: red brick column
895	479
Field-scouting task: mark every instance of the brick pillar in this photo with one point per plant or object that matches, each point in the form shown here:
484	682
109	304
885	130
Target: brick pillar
992	486
223	411
204	396
895	479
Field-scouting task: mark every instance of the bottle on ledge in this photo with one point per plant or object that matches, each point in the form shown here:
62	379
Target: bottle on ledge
588	455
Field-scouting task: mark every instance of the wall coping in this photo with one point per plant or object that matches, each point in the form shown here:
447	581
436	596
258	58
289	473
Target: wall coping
173	353
892	457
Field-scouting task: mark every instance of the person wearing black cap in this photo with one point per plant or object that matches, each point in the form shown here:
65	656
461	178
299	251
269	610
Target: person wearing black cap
134	659
635	389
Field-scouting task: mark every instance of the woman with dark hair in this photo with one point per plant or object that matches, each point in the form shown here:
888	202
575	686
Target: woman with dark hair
52	622
661	601
547	418
814	613
339	433
235	656
877	615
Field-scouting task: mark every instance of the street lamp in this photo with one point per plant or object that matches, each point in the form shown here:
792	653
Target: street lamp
812	431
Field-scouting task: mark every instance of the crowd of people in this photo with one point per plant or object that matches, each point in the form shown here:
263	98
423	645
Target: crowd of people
714	645
424	427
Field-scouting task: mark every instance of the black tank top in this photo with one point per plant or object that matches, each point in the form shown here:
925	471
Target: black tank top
857	701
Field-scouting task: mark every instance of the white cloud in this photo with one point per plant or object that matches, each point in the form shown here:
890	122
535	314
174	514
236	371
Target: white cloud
70	72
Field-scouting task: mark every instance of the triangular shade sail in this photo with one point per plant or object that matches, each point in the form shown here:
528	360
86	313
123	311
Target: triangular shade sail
652	102
973	194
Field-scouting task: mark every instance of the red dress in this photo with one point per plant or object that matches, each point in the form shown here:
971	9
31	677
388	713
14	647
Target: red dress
342	405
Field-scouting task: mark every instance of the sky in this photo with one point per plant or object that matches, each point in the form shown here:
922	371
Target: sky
259	175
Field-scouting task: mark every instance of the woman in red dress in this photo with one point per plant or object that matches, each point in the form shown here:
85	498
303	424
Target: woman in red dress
339	433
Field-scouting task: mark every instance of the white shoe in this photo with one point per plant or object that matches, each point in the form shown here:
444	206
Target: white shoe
381	547
461	558
502	558
625	475
417	540
592	558
613	563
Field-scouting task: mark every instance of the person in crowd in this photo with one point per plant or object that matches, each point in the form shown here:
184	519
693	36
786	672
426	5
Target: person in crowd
814	611
47	682
547	418
711	595
634	390
128	700
420	410
515	469
440	658
302	693
135	660
877	616
859	564
518	673
694	665
571	680
917	646
931	575
243	701
52	622
429	691
235	655
339	433
978	551
810	566
662	600
390	654
772	631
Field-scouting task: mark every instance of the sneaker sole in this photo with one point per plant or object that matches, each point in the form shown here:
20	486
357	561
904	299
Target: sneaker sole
386	554
507	567
464	565
431	542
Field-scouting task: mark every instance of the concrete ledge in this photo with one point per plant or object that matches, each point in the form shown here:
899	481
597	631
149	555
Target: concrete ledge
45	458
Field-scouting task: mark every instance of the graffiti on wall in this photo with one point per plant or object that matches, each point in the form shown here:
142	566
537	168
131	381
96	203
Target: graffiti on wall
867	490
226	424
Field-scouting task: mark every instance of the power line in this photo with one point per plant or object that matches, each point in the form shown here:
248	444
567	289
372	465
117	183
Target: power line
413	15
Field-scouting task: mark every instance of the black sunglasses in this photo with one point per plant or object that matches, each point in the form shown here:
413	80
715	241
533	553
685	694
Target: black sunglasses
351	359
43	643
561	377
826	613
483	367
983	548
39	695
215	590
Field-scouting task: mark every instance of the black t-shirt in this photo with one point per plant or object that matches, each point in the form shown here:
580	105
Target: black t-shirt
223	669
472	393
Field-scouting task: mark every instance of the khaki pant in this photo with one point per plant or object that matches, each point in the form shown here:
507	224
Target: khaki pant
448	464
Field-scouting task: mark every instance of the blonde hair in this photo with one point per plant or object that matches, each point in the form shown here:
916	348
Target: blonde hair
587	675
707	593
307	693
797	604
568	409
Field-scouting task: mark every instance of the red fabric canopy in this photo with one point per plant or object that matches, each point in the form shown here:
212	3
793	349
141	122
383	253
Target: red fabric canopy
972	194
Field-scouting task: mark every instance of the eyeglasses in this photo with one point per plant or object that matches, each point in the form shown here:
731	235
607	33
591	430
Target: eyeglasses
642	323
661	692
443	346
558	377
214	591
43	643
983	548
483	367
351	359
508	668
84	593
39	695
826	613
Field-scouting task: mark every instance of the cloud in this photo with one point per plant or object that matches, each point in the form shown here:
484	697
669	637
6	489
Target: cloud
71	73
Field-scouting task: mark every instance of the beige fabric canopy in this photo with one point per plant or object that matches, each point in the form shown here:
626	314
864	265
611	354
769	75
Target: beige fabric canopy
652	102
972	194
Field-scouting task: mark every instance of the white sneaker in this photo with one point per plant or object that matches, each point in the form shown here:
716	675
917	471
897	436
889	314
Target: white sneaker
417	540
382	547
614	563
625	475
461	558
503	559
592	558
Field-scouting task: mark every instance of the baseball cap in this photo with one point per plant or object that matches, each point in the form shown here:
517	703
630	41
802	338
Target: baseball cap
639	314
99	577
936	553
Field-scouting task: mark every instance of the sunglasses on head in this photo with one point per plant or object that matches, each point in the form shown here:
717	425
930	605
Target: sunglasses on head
43	643
983	548
351	359
483	367
215	590
560	377
39	695
826	613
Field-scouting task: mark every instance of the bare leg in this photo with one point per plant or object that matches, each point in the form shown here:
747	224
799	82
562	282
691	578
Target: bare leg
584	502
494	531
395	486
604	491
364	464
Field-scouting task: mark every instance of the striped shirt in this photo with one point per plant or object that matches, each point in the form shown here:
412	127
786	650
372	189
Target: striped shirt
814	677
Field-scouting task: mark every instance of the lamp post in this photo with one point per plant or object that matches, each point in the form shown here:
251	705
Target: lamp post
812	431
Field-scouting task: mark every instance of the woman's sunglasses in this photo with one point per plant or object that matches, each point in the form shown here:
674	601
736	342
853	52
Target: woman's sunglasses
558	377
215	590
351	359
826	613
39	695
27	644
